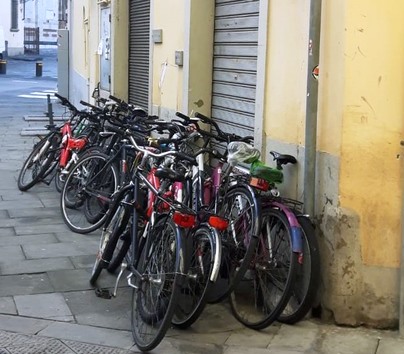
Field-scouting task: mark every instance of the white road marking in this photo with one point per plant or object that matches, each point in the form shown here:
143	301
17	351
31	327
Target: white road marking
37	96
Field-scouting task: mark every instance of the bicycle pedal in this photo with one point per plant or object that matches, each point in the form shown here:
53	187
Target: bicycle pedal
103	293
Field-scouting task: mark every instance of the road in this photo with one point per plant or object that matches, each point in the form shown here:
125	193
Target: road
21	92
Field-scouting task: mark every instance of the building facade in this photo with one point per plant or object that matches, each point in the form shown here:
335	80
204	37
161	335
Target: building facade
245	63
11	21
44	16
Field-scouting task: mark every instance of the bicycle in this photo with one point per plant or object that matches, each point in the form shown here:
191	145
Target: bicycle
91	183
285	254
157	259
59	149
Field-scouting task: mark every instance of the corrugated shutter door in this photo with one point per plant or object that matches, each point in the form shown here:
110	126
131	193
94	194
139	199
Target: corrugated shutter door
235	65
139	42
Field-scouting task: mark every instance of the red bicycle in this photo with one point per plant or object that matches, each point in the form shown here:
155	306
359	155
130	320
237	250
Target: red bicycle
60	148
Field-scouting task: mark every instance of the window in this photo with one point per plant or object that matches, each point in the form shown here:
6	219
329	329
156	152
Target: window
14	15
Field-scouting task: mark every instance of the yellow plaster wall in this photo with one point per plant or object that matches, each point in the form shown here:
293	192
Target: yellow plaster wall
202	17
285	99
81	22
120	47
167	83
373	125
361	106
332	78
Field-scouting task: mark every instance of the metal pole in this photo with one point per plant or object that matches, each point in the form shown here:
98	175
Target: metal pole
50	112
401	307
311	107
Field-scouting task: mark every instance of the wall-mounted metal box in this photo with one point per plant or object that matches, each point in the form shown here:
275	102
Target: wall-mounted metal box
157	36
179	57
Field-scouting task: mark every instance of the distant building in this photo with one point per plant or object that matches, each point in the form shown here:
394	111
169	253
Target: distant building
11	21
41	22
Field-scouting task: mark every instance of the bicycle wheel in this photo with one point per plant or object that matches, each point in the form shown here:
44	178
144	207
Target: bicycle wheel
242	208
265	289
307	279
192	298
93	177
155	298
60	175
109	238
59	181
37	163
121	248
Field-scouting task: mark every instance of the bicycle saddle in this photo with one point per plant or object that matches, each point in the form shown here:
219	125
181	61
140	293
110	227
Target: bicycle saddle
282	159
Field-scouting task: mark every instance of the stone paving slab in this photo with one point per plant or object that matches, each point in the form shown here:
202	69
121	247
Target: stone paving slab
41	229
292	337
70	280
25	284
89	334
22	324
35	221
6	231
51	202
35	266
391	346
252	350
355	343
260	339
88	309
60	249
30	212
24	198
15	203
47	306
7	306
11	254
174	346
83	261
75	238
27	239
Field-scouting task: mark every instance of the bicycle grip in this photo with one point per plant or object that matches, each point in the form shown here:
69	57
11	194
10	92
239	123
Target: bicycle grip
64	100
182	116
186	157
90	105
116	99
205	119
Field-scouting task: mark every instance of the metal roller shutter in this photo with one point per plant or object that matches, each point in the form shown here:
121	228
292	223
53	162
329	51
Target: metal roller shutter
139	43
235	65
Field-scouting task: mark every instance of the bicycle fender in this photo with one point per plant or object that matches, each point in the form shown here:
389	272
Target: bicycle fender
296	230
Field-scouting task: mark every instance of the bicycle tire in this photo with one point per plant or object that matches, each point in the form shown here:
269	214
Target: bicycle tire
192	298
76	190
161	274
121	248
60	180
109	238
40	166
265	289
307	279
242	208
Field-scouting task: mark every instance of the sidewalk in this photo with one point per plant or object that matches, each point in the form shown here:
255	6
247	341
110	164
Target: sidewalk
48	306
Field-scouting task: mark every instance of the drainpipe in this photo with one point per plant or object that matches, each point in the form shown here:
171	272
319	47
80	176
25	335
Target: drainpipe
311	108
401	307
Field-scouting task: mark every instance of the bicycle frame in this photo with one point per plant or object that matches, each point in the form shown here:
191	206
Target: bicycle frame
69	144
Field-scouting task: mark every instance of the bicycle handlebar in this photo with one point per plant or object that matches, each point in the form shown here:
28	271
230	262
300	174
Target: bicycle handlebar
66	102
95	108
163	154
